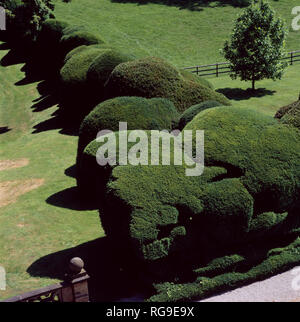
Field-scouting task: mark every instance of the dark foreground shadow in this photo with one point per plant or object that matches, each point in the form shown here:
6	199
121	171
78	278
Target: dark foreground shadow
70	112
4	129
71	171
239	94
70	198
108	280
193	5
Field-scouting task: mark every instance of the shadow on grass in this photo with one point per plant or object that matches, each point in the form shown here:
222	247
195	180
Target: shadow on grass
193	5
71	171
4	129
70	198
109	281
13	57
57	122
239	94
70	112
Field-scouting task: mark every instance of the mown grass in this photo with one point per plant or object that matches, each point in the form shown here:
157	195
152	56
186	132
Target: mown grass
270	95
182	36
34	226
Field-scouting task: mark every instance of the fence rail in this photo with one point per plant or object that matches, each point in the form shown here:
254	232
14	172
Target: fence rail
74	288
224	67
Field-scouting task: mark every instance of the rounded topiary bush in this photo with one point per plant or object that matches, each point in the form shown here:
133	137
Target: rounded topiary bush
192	111
79	49
105	63
74	28
290	114
76	95
292	118
92	177
74	72
46	48
285	109
139	113
51	32
195	78
250	183
153	77
264	158
71	40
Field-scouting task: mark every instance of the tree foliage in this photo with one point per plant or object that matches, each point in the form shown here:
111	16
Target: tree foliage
27	16
256	46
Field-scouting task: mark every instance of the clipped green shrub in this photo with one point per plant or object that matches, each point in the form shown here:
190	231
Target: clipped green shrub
192	111
153	77
71	40
292	115
195	78
139	113
77	96
248	193
46	48
105	63
274	263
265	158
74	72
92	178
51	32
284	109
79	49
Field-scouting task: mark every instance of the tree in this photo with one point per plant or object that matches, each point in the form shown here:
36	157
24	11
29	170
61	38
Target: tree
25	17
257	44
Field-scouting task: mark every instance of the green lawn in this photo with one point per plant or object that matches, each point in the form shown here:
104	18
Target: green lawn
31	227
183	37
50	219
270	95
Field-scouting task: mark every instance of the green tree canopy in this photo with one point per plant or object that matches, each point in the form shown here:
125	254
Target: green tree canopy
26	16
256	46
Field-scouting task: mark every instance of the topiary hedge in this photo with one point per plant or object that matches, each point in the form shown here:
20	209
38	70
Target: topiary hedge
91	177
139	113
290	114
72	39
259	155
77	95
74	72
105	63
192	111
47	43
51	32
274	262
79	49
195	78
249	192
153	77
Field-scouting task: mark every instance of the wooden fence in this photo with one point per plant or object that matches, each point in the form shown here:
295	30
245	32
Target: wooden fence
74	288
223	68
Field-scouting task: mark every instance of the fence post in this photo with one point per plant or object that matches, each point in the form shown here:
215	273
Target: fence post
217	69
197	70
75	285
291	58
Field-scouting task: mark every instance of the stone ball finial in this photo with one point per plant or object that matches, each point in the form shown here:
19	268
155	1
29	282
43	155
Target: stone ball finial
76	265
